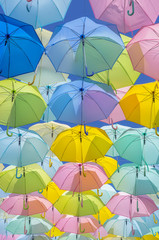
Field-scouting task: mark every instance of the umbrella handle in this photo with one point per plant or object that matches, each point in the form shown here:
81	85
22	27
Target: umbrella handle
99	195
31	83
155	220
42	216
25	207
18	177
115	128
85	130
89	75
82	231
50	163
133	9
9	135
156	130
40	191
154	233
84	174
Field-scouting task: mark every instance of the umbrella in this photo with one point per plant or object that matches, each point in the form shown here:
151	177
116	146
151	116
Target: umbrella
131	206
10	237
28	225
83	47
81	144
127	15
70	177
136	180
108	164
114	133
52	192
143	50
121	74
25	204
79	204
103	215
52	215
24	180
20	47
100	233
45	73
34	237
20	104
140	104
35	12
77	225
144	141
23	148
106	192
50	165
72	236
125	227
82	102
54	232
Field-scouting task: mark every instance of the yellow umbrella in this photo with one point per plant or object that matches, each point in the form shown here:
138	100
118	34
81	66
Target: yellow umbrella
149	237
109	165
54	232
141	104
122	74
81	144
103	215
52	192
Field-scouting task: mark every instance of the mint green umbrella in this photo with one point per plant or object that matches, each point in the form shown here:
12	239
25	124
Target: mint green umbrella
136	180
28	225
140	145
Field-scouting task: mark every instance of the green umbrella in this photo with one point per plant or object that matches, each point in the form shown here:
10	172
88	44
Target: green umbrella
23	180
28	225
144	141
136	180
79	204
20	104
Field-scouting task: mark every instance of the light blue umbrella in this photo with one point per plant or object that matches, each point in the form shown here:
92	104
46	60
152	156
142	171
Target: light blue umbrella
114	132
35	12
105	193
52	168
153	222
82	102
3	225
23	148
125	227
20	47
83	47
34	237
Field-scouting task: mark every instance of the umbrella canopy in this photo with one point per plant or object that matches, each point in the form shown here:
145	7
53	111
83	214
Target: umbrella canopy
36	13
141	104
23	148
127	15
35	237
103	215
106	192
24	180
144	141
81	144
125	227
72	236
131	206
77	225
136	180
83	47
79	204
143	50
82	102
114	133
122	73
28	225
20	47
100	232
77	177
20	104
25	205
45	73
53	215
52	192
54	232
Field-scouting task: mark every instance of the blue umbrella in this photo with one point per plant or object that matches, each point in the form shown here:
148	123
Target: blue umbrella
20	47
83	47
23	148
82	102
35	12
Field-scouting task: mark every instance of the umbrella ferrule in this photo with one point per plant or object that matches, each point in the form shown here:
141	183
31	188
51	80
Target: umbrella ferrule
144	134
137	172
153	96
131	199
19	135
23	171
13	95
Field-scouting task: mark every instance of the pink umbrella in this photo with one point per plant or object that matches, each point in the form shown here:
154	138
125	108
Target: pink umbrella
52	215
131	206
117	114
77	225
71	177
25	205
128	15
143	50
9	237
100	233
